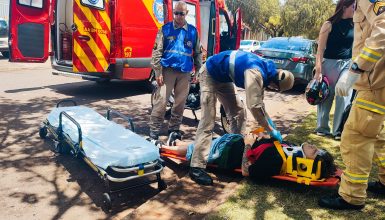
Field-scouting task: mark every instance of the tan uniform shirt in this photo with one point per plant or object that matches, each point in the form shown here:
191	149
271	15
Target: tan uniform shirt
157	52
369	43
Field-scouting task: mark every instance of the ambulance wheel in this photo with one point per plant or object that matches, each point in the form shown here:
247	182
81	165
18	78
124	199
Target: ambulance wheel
43	132
161	185
103	81
107	203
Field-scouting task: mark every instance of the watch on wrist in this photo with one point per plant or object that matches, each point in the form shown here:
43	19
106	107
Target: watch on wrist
356	69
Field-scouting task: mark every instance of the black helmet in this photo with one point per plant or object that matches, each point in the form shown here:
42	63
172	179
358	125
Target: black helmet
316	91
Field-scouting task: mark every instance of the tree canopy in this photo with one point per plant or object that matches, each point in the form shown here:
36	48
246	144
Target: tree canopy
293	18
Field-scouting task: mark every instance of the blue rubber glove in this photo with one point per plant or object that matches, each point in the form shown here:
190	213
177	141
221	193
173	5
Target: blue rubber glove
271	123
277	135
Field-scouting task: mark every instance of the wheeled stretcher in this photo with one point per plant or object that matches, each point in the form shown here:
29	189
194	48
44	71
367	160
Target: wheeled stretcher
117	154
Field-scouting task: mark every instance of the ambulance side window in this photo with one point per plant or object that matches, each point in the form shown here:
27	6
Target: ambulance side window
223	25
31	3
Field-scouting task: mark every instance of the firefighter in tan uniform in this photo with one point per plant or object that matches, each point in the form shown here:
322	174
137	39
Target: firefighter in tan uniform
363	137
177	50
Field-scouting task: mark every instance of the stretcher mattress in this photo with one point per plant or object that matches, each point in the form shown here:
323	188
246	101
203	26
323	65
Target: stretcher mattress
105	142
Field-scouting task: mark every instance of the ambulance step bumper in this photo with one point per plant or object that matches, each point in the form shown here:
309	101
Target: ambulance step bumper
76	75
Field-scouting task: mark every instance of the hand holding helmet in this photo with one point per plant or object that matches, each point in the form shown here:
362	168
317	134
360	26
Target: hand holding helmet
317	91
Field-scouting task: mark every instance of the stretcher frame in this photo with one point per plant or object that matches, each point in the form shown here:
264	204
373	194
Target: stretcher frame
64	144
329	182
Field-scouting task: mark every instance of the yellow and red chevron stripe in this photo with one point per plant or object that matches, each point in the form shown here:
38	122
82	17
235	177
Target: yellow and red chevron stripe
91	55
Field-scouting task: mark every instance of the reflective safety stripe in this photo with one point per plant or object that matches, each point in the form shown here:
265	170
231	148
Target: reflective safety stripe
178	52
232	64
283	155
380	161
370	55
356	178
371	106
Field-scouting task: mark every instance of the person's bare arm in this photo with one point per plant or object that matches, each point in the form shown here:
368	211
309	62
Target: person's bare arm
249	140
322	40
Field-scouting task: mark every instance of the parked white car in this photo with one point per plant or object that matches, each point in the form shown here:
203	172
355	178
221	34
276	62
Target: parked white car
249	45
4	38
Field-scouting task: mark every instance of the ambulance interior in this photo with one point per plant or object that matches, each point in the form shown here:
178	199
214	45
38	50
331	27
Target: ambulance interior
208	36
64	21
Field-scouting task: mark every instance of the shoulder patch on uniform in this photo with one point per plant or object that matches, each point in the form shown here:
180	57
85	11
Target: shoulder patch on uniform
379	7
155	46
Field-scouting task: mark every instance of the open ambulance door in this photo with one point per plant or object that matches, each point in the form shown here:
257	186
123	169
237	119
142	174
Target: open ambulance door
237	29
91	36
229	32
29	26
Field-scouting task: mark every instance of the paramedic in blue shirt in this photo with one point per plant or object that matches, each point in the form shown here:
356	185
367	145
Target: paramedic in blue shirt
217	78
176	50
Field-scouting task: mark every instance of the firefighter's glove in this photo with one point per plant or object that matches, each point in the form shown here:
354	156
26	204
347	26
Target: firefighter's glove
276	134
345	83
271	123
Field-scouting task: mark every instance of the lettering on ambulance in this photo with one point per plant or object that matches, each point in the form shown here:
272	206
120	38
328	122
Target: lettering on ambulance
91	55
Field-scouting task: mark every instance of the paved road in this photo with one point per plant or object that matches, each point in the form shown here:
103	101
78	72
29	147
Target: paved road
37	184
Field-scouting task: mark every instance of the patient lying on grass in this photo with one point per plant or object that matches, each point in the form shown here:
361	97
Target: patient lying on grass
261	159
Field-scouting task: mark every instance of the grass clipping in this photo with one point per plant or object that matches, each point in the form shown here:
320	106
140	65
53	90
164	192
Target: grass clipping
275	199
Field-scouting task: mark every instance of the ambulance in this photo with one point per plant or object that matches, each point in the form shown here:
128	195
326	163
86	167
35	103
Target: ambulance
102	40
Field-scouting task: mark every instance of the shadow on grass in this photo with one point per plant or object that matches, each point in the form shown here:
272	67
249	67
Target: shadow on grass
275	199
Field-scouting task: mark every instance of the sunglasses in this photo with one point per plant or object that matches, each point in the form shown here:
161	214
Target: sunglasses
181	13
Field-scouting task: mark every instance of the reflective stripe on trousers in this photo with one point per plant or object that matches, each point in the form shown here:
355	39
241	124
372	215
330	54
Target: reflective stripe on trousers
362	141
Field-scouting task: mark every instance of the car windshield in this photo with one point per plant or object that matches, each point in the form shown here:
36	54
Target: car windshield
245	43
3	29
286	44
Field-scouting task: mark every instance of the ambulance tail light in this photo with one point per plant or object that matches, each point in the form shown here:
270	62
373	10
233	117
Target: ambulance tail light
299	59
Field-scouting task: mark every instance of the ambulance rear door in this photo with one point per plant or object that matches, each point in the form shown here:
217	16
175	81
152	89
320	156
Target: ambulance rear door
91	35
29	27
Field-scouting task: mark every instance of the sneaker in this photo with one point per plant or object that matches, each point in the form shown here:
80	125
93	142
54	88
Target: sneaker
178	133
337	137
172	137
320	134
154	136
155	142
200	176
376	187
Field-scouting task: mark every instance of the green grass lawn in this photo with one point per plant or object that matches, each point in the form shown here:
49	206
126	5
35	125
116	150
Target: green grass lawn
285	200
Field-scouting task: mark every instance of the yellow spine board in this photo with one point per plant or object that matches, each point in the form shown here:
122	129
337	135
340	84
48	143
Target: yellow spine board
303	173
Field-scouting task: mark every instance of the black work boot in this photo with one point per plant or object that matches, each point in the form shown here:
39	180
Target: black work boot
376	187
338	203
200	176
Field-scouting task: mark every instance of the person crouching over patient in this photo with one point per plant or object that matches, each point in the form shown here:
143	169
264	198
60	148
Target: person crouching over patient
217	78
260	158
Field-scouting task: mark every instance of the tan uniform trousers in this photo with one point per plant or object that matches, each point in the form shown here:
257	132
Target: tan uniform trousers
180	83
210	91
362	141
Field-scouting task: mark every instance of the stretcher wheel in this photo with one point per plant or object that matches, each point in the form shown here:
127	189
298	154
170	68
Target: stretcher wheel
107	203
43	132
162	185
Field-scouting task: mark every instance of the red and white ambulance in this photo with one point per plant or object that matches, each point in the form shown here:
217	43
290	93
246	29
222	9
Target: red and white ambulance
109	39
